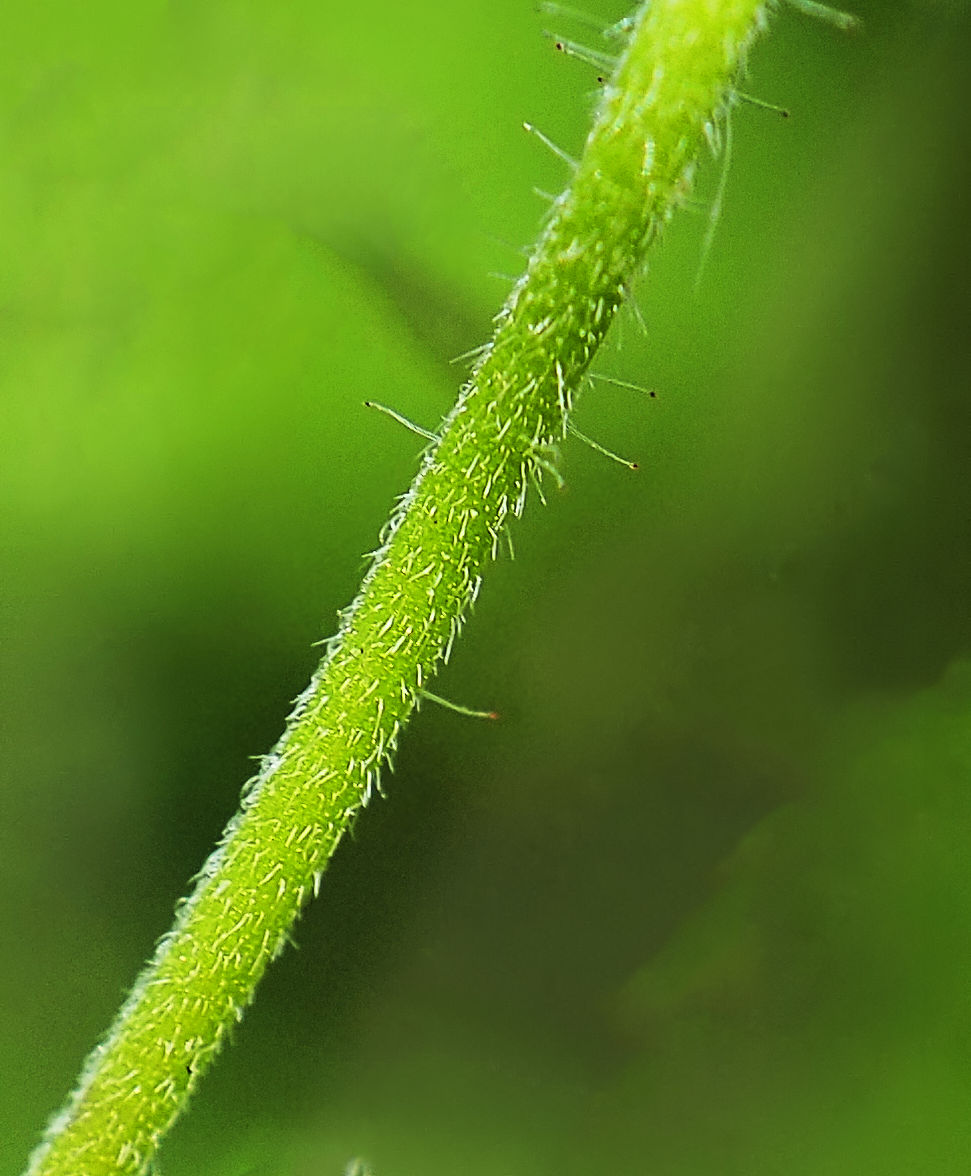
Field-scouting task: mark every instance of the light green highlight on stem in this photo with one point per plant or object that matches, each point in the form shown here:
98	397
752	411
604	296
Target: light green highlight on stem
655	116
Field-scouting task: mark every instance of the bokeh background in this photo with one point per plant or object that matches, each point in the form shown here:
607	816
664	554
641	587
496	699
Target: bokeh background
700	902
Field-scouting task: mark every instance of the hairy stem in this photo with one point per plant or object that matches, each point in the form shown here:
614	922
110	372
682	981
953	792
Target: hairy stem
655	115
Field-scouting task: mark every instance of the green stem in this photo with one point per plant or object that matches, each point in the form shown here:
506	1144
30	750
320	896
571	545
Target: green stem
665	97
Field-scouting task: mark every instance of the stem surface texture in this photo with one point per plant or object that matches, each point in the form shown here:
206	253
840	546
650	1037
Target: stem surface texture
656	114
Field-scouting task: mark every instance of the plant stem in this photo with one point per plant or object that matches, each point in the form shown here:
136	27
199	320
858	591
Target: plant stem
657	110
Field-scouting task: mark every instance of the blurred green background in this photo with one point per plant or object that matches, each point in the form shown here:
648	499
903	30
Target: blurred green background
700	903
